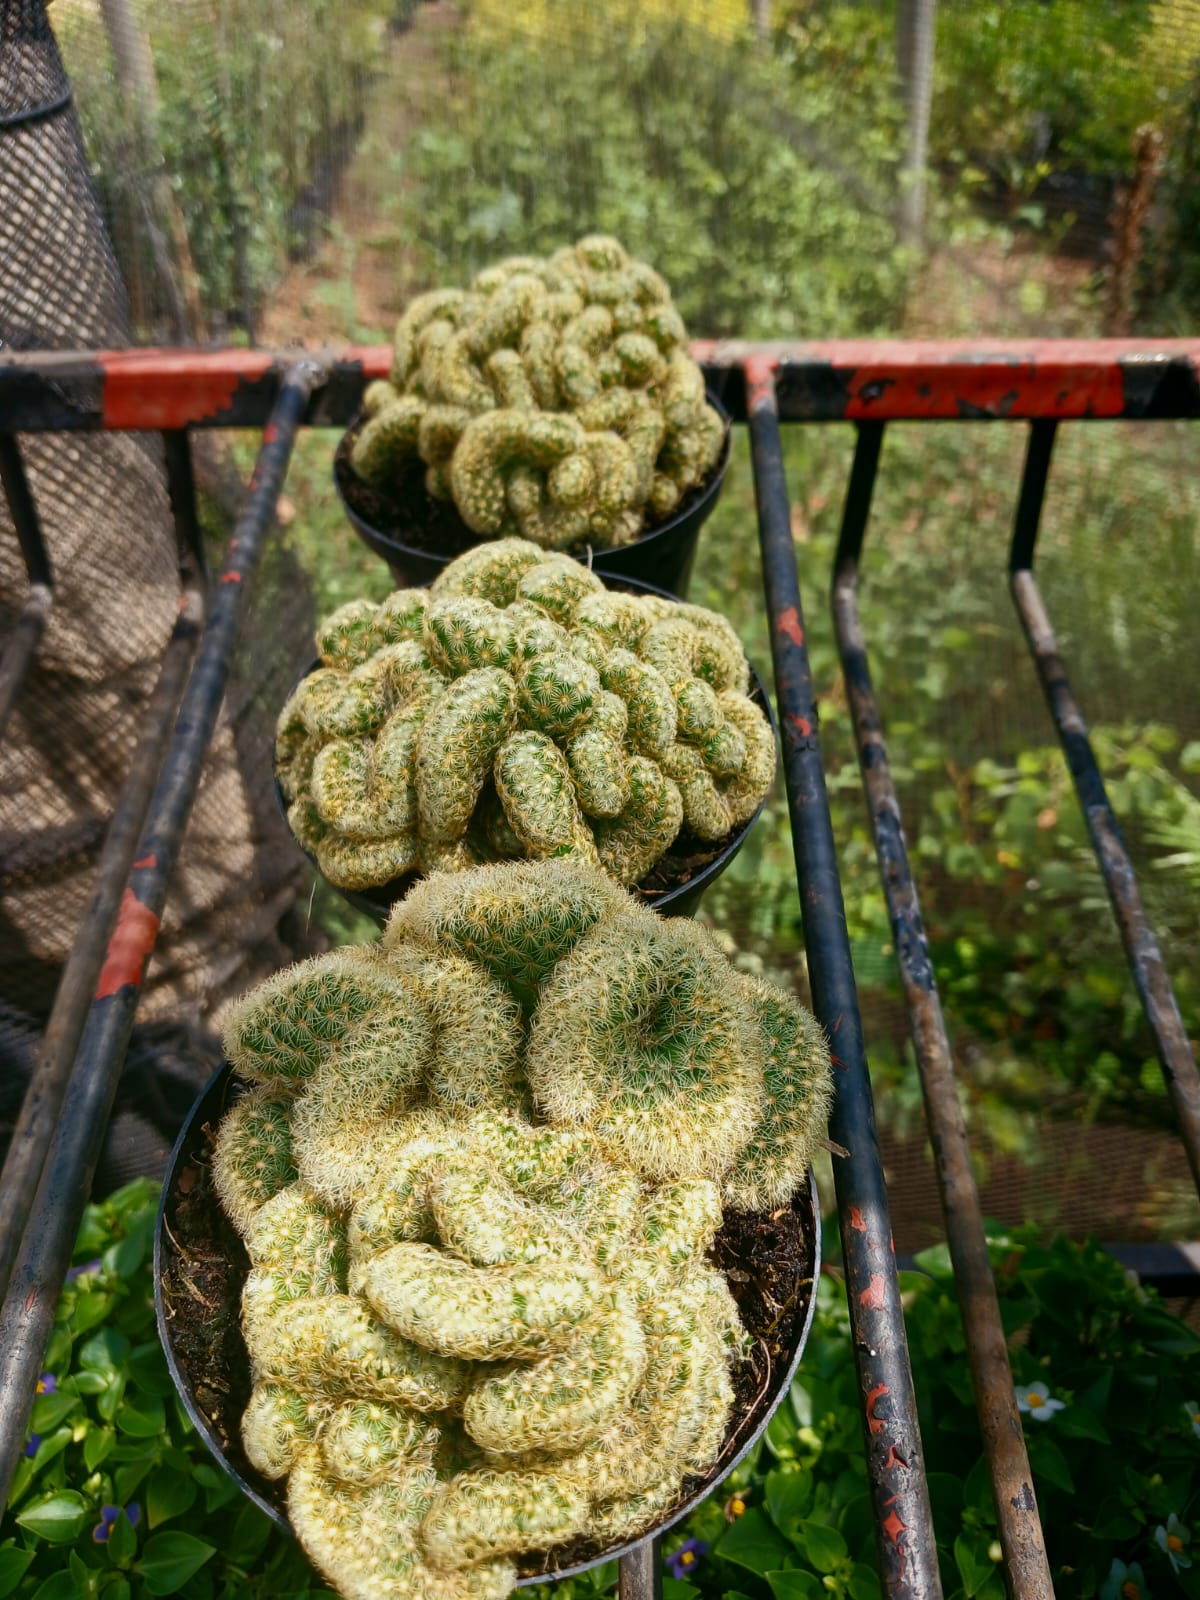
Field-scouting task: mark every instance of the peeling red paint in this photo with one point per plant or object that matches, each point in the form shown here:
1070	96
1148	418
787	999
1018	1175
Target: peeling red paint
30	1301
171	389
801	724
147	861
856	1220
894	1459
874	1296
131	943
893	1526
760	382
837	1061
876	1424
270	433
231	577
789	626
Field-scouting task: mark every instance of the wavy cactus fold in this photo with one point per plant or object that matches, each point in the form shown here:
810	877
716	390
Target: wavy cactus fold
554	399
519	709
477	1174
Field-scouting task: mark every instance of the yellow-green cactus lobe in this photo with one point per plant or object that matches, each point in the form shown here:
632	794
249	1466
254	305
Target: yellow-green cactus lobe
277	1425
363	1441
462	635
458	743
482	1515
662	1059
252	1159
536	789
796	1103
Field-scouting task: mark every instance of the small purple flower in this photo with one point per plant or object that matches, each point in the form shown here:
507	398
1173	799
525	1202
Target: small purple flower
88	1266
47	1383
682	1561
32	1443
109	1515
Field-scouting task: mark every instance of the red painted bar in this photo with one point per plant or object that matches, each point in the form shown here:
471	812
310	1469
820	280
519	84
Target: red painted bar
851	380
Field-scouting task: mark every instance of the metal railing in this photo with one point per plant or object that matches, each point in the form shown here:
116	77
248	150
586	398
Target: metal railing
49	1169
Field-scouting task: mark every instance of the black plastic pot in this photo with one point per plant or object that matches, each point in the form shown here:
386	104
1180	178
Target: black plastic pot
387	524
680	901
216	1412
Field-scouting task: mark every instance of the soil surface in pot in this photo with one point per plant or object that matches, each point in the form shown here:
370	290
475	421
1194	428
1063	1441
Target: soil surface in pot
767	1259
412	517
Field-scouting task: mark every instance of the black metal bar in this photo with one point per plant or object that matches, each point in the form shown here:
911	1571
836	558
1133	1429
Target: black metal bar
895	1460
39	1110
26	635
28	1309
1141	947
640	1573
991	1373
181	487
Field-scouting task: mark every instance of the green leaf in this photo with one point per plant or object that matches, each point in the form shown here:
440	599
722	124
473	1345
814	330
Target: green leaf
676	1589
1049	1463
122	1542
127	1478
91	1308
169	1494
13	1565
58	1518
87	1579
789	1497
802	1406
796	1584
142	1417
974	1567
170	1559
51	1446
90	1382
96	1446
1075	1422
104	1351
781	1434
864	1582
49	1410
125	1258
59	1586
753	1543
251	1531
116	1589
824	1546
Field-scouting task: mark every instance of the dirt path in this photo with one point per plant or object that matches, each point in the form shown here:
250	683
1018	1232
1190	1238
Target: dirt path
353	287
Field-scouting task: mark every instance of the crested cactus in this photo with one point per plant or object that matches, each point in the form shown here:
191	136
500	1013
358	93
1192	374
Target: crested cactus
519	710
477	1176
555	399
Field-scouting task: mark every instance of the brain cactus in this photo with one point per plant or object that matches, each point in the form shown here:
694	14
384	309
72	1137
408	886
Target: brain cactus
519	709
554	399
480	1319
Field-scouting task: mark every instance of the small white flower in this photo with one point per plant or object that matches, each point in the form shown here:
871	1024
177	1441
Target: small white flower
1036	1400
1171	1541
1192	1411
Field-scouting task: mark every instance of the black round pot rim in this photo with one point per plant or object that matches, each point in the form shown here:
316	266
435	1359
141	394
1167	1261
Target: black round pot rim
378	901
222	1079
698	504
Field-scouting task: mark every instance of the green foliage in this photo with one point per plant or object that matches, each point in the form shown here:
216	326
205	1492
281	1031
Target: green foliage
1110	1467
258	100
1039	1001
540	136
119	1499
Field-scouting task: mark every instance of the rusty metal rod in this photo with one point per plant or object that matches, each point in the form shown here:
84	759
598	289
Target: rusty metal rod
27	1314
987	1351
640	1573
56	1051
891	1433
1141	947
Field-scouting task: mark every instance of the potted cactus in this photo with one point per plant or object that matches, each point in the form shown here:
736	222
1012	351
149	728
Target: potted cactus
553	400
478	1199
519	709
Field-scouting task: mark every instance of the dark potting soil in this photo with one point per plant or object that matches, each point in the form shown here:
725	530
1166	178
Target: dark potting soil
767	1259
411	516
